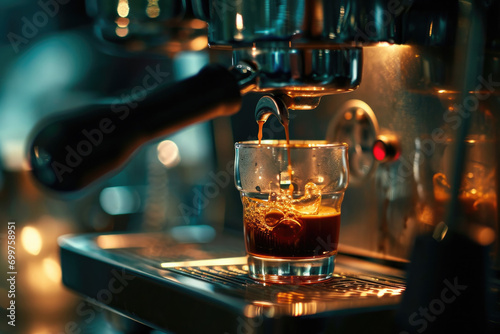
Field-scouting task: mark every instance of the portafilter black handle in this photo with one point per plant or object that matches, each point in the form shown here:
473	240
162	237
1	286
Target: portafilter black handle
71	150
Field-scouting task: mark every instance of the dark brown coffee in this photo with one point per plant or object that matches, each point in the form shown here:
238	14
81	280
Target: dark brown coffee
288	235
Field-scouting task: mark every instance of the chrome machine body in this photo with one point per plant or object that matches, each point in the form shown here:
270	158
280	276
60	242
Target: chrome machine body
418	78
419	84
411	86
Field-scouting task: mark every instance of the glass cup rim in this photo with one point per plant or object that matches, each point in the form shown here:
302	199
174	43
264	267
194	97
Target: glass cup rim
294	143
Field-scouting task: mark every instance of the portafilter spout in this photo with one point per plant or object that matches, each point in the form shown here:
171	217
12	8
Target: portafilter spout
71	150
304	49
270	105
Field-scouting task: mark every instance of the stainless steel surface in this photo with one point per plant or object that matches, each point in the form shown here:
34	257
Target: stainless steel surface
414	93
162	282
380	208
388	203
351	22
303	75
302	49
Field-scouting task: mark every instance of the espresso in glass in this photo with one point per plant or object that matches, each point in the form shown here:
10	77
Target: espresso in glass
291	216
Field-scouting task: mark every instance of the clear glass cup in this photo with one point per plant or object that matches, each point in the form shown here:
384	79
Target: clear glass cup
291	218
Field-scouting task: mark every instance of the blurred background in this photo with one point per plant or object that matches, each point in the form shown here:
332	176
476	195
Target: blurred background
53	57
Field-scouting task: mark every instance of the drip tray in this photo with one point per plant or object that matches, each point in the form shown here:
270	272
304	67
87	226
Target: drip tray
189	287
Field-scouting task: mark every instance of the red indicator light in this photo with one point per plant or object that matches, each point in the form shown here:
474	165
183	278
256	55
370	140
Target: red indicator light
379	150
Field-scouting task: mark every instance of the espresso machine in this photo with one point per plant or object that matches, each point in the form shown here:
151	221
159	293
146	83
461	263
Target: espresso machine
410	86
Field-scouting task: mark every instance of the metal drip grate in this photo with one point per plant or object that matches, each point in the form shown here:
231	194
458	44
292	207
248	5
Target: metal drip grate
342	285
187	281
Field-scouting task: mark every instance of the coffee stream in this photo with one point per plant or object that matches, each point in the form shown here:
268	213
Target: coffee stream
259	135
287	136
288	227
